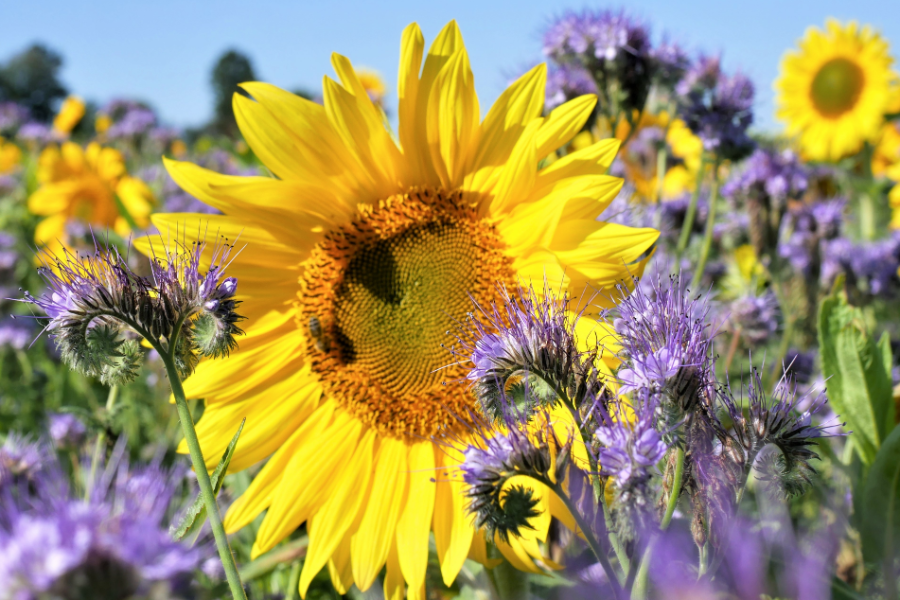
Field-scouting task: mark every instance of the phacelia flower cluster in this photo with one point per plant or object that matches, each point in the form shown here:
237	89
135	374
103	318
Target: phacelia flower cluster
497	456
610	46
773	420
525	345
56	544
666	344
95	305
717	108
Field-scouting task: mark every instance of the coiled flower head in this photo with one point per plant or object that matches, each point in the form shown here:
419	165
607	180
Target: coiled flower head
95	305
502	507
773	420
525	346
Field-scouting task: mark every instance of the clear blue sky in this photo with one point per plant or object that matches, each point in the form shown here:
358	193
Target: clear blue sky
163	51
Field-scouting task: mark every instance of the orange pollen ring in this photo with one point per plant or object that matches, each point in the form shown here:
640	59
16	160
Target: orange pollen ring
380	298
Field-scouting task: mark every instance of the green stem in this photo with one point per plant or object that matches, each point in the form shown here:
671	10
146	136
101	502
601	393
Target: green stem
867	218
640	582
710	227
265	564
592	542
293	589
691	214
614	541
206	489
676	490
101	442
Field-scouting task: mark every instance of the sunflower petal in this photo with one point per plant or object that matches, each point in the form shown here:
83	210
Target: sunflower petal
372	542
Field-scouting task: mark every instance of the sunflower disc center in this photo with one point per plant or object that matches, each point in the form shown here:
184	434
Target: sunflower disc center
397	301
837	86
380	297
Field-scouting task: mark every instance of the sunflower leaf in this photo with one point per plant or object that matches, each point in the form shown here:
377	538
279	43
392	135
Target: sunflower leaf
196	514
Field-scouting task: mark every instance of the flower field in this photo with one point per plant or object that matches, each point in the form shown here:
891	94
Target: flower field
604	337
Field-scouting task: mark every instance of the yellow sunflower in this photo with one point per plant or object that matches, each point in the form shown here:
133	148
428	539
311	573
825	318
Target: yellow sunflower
69	115
361	257
86	185
834	91
685	150
10	156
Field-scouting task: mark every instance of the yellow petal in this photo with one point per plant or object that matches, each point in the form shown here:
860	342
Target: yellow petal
453	529
521	103
563	123
371	543
452	125
340	568
519	173
412	46
259	494
312	470
394	587
414	527
335	518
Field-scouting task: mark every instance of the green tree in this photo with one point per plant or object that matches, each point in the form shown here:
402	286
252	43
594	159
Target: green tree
31	78
232	68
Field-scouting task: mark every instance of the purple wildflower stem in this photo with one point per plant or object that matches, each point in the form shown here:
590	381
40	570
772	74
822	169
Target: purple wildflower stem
206	488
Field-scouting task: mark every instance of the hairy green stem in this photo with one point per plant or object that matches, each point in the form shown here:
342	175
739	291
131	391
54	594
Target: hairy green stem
710	227
676	490
206	489
293	550
691	214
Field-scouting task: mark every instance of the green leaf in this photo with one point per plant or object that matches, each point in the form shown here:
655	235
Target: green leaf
196	514
880	527
858	374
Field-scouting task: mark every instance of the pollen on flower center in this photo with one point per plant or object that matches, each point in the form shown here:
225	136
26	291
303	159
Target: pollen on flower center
378	298
837	86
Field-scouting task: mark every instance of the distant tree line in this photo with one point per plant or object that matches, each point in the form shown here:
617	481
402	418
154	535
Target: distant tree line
31	79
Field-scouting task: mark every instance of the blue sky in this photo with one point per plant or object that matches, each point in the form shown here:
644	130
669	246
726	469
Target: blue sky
162	52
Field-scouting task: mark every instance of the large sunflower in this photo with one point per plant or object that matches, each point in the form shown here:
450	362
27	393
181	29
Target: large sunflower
360	259
834	91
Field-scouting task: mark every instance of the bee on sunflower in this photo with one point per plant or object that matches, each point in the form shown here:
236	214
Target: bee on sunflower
363	254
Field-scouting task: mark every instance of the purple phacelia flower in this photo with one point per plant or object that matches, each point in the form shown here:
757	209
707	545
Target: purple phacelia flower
525	338
66	430
772	419
629	450
565	82
717	108
779	176
755	317
611	45
54	543
666	341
